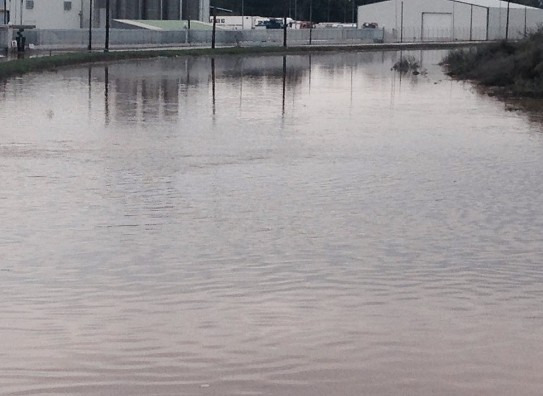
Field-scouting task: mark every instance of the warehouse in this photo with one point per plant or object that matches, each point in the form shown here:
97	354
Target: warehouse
449	20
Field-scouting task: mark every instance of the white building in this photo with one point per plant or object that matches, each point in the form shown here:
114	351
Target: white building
444	20
74	14
48	14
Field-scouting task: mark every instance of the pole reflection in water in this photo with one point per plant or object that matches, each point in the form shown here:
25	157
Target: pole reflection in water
284	85
240	85
106	94
400	74
213	88
392	90
309	73
352	71
89	83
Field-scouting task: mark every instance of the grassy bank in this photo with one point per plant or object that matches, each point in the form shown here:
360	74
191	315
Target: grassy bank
26	65
21	66
511	68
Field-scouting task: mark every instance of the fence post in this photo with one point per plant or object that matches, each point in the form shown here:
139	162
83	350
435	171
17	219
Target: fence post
471	24
487	23
401	24
89	47
525	21
310	22
284	23
214	31
106	48
507	22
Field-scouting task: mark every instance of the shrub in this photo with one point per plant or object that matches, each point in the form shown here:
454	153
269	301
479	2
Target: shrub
405	64
516	66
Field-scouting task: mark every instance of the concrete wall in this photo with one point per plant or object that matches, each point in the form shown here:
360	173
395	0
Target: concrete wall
78	39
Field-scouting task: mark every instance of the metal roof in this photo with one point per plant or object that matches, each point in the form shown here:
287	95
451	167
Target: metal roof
481	3
493	4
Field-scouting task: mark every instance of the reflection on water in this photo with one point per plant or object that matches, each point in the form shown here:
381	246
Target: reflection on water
294	225
143	95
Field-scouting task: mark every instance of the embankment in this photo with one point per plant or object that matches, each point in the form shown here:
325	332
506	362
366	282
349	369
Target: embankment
507	68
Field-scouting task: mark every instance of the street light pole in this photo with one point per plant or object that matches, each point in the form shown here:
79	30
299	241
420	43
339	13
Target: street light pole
89	47
106	48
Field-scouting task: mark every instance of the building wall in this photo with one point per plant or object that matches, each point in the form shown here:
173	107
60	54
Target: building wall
385	14
158	9
46	14
470	22
4	15
521	20
50	14
196	10
465	21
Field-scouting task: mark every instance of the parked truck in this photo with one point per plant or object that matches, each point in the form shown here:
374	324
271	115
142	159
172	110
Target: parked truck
237	22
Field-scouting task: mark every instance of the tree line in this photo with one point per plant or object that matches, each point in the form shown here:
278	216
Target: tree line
321	10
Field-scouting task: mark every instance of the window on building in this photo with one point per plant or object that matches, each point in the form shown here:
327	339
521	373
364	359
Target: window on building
29	4
67	6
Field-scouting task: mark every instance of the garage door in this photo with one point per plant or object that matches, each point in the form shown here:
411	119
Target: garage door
436	26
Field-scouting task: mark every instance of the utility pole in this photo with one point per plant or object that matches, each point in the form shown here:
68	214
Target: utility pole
5	13
106	48
89	47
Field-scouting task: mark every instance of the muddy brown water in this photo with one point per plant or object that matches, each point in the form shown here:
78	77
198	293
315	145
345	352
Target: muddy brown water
308	225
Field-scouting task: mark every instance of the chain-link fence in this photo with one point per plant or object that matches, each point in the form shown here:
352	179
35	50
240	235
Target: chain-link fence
122	38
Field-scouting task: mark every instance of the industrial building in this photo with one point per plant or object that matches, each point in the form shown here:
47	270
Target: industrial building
158	9
449	20
74	14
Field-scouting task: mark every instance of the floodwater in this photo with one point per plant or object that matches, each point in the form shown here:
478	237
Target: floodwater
268	226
